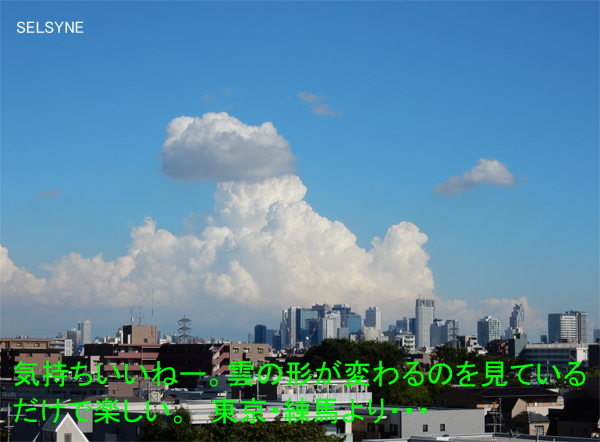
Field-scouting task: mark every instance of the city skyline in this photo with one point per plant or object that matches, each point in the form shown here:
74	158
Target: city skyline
433	150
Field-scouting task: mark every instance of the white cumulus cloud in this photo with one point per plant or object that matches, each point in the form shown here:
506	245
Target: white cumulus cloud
486	172
261	249
219	147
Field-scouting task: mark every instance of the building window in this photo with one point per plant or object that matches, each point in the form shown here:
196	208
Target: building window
30	355
425	428
394	430
145	340
371	428
246	350
137	431
442	427
37	344
236	350
260	350
67	437
18	344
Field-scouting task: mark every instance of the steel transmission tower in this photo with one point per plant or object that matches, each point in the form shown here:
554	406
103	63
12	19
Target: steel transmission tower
184	330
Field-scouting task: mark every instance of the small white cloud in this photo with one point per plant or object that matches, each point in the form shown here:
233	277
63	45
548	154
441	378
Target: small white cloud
318	106
51	194
311	98
208	99
228	91
219	147
323	109
486	172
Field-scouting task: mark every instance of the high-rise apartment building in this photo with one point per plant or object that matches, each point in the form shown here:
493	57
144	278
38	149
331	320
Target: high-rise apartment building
488	329
570	326
85	327
373	318
596	334
424	314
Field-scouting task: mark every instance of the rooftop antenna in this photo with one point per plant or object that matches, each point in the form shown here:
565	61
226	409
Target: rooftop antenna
152	320
140	316
131	314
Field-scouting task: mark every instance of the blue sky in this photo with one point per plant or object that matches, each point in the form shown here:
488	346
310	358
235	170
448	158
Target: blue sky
415	93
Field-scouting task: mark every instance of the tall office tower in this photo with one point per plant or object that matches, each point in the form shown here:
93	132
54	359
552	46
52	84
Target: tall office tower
441	333
488	329
424	314
581	326
344	310
596	334
288	327
277	341
354	323
270	333
85	327
437	333
517	318
412	325
260	334
570	326
373	318
403	325
329	325
75	336
303	325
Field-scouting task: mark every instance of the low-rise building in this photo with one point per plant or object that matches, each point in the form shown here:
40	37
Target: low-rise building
557	354
25	350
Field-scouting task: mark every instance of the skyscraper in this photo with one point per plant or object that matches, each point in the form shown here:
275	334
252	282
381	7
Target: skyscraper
516	322
570	326
304	327
344	310
260	334
424	314
329	325
75	336
488	329
403	325
373	318
442	333
85	327
354	323
288	327
517	317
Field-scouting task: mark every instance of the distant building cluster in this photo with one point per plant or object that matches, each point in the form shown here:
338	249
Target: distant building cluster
301	327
